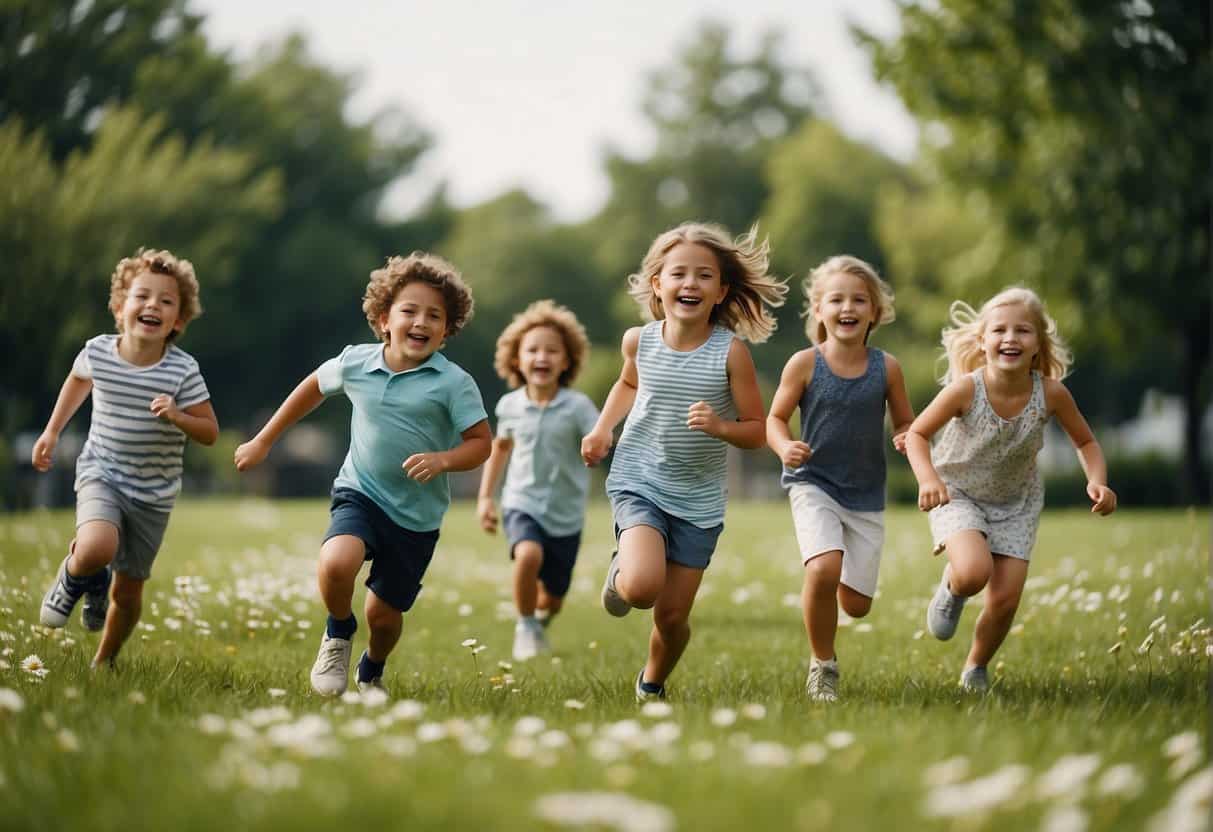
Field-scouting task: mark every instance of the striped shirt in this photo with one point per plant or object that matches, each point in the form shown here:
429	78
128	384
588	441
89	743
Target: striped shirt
681	471
128	447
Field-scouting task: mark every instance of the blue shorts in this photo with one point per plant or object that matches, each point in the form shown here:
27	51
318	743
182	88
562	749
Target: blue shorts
559	553
685	543
398	556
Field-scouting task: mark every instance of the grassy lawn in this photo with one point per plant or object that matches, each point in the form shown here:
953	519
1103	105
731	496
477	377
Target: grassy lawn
209	723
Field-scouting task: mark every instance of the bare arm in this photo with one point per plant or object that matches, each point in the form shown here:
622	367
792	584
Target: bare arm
952	401
486	510
198	421
1090	455
796	375
71	395
305	398
900	412
619	401
747	430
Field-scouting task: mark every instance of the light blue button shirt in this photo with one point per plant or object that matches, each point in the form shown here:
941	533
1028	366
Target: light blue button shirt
546	477
395	416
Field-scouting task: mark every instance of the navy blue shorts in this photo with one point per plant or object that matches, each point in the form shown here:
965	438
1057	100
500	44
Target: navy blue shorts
559	553
398	556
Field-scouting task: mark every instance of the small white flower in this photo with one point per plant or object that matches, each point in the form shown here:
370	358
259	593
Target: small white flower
811	754
529	726
767	755
212	724
67	741
656	710
1122	780
10	701
724	717
754	710
574	704
136	697
1182	744
470	642
839	739
276	692
33	665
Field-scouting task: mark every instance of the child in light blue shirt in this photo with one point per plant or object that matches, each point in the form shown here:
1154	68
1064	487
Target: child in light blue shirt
539	430
416	416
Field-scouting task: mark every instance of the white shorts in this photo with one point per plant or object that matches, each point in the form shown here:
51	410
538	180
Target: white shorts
822	525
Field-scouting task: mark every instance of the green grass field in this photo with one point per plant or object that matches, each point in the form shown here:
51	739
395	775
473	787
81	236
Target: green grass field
209	723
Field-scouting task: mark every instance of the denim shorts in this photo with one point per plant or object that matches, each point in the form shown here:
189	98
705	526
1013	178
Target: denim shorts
559	553
140	526
685	543
398	556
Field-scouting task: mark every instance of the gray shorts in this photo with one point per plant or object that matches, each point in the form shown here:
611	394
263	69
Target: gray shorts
140	527
1014	535
685	543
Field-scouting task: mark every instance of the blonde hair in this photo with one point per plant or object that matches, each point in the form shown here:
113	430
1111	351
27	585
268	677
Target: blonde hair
746	309
541	313
418	267
880	292
962	340
152	261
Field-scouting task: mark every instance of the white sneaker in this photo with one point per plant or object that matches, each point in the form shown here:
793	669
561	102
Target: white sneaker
975	680
943	613
331	672
525	647
822	682
612	601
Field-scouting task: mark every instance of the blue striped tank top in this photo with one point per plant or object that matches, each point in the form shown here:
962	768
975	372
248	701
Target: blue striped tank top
681	471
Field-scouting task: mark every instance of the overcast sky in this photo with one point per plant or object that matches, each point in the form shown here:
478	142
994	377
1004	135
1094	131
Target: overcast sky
529	92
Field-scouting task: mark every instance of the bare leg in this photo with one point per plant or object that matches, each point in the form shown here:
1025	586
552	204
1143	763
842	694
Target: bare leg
385	623
671	621
818	604
528	557
340	559
1002	600
126	603
642	566
93	549
969	562
548	602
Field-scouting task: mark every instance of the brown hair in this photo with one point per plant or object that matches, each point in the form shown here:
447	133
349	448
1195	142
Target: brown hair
156	262
541	313
418	267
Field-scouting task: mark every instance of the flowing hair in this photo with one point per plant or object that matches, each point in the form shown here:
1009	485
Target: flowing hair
752	292
962	340
880	292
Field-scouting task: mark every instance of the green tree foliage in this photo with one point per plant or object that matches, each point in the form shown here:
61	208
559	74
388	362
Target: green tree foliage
1086	126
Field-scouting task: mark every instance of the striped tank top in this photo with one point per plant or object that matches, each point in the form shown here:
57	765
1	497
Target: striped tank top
681	471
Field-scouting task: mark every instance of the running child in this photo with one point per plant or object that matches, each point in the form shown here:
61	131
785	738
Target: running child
979	481
539	430
416	417
835	471
689	389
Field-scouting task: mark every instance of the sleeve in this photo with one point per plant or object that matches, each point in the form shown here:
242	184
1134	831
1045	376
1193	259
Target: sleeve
505	421
467	406
331	374
82	367
192	390
587	415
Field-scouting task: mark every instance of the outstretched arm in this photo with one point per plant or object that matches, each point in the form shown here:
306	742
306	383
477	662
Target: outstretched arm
618	404
1090	456
71	395
305	398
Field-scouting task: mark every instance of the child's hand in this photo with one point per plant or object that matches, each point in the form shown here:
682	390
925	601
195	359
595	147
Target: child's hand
701	417
164	407
251	454
932	494
1103	499
486	513
594	447
44	451
424	467
793	454
899	442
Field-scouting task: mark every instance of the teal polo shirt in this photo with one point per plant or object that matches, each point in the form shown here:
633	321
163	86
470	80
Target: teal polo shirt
395	416
546	477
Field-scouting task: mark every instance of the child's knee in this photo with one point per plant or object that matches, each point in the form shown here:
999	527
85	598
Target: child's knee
670	621
528	554
823	573
551	603
340	562
968	579
383	616
1002	603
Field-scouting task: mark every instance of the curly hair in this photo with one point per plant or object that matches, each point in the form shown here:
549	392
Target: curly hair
152	261
418	267
746	308
879	291
541	313
962	340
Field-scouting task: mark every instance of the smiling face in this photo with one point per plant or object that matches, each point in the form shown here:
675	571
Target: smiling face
846	308
152	308
542	357
1010	338
689	284
415	323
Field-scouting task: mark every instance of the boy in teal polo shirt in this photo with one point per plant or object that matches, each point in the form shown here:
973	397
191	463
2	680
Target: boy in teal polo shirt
416	416
539	430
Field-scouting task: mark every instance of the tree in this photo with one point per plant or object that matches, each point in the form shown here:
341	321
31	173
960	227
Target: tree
1086	126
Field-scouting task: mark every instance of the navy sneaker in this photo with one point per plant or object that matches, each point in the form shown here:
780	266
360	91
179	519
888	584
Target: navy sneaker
59	601
97	601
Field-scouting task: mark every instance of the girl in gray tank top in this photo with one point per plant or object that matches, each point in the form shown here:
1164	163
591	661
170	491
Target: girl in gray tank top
835	472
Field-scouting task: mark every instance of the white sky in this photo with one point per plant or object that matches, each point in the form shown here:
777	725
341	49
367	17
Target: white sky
529	92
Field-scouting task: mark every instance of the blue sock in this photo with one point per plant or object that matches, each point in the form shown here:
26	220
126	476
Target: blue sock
342	629
368	669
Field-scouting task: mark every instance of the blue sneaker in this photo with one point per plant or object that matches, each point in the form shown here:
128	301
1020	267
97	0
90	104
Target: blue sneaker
643	695
59	601
97	601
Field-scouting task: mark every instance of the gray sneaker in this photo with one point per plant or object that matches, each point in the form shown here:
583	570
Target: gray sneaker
59	601
643	695
822	682
943	613
97	602
331	672
529	640
975	680
612	601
